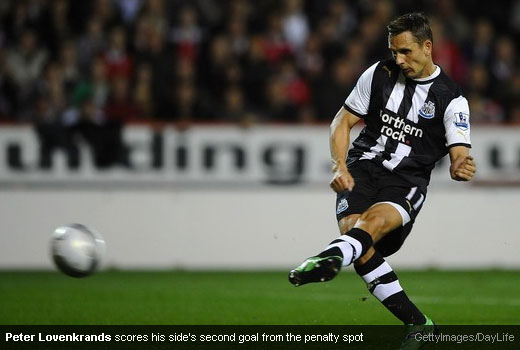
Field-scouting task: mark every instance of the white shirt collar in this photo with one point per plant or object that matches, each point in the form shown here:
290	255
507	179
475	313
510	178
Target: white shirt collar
435	74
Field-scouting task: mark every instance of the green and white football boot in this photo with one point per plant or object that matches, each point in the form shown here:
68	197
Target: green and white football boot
316	269
416	335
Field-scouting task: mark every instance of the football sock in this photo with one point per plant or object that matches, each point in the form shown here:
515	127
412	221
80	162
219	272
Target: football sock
349	246
383	283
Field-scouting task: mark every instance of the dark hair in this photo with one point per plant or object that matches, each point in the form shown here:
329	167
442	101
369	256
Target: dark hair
416	23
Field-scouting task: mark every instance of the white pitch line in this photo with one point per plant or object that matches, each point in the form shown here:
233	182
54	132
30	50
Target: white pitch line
464	300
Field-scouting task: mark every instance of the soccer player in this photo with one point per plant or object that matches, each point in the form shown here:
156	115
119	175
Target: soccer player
414	115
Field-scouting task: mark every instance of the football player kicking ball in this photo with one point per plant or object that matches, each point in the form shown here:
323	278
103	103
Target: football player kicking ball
414	115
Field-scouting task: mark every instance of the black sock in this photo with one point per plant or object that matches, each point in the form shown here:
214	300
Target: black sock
383	283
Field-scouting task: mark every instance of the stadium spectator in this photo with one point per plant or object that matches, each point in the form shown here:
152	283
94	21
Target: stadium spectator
447	54
87	123
25	63
116	56
297	88
332	45
120	107
186	105
68	61
307	115
514	114
8	91
52	86
219	59
17	20
503	67
329	92
311	60
56	27
484	110
455	23
295	24
504	60
237	36
478	80
187	34
52	134
156	55
235	108
154	14
233	75
479	48
276	45
84	123
256	70
95	84
143	92
512	98
343	16
129	9
142	33
91	44
279	106
515	17
107	12
241	9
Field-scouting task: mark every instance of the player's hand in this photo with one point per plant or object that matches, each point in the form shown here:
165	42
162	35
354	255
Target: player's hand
463	169
341	179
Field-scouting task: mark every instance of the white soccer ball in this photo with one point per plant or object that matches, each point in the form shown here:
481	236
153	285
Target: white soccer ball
77	250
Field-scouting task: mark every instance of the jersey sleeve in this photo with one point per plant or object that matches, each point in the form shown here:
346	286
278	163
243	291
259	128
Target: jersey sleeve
456	123
359	99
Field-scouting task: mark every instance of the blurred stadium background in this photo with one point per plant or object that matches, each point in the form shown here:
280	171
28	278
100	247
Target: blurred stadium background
194	135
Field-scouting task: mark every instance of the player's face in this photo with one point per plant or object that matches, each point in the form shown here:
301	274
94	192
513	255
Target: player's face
413	58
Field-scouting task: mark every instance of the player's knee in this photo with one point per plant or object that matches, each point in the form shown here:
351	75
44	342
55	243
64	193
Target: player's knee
347	223
373	223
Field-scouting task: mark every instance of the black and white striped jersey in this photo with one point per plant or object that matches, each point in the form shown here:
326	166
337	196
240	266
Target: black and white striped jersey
410	123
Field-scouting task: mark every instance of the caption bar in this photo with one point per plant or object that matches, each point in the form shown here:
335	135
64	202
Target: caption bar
186	337
250	337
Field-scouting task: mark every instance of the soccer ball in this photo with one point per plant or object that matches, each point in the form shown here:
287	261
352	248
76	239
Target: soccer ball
77	250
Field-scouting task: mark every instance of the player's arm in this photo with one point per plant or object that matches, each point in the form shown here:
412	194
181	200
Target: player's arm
456	122
355	107
339	144
462	164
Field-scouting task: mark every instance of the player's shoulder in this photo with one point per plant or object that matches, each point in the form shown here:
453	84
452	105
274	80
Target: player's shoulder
445	87
384	70
387	67
447	93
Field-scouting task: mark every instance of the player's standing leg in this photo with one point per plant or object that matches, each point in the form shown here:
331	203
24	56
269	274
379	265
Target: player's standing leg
379	276
383	283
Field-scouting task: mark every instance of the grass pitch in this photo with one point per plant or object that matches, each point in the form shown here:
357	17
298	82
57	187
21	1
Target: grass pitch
244	298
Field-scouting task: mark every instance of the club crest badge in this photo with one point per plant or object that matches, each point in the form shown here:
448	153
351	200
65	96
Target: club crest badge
462	121
427	111
342	206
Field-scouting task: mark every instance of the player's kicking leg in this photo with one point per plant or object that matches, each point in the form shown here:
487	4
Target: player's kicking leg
327	264
340	252
371	226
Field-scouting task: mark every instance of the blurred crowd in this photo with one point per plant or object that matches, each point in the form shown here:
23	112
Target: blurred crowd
85	63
